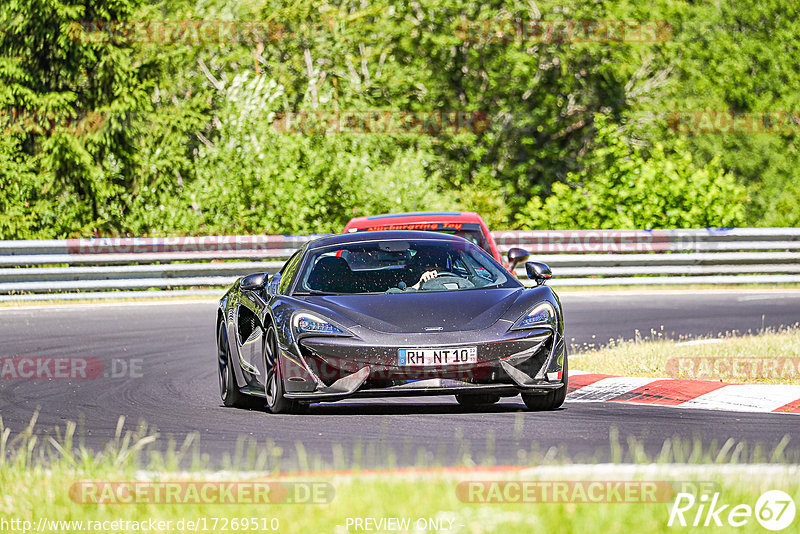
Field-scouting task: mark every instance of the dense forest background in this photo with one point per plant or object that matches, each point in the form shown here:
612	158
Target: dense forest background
105	133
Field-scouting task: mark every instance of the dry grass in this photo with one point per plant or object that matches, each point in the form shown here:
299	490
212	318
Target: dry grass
770	357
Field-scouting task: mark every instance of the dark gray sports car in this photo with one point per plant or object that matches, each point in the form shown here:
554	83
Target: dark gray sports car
395	313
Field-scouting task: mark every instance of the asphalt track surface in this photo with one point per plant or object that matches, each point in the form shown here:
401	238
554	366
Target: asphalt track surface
173	387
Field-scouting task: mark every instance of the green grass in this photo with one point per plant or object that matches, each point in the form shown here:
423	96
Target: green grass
769	357
37	471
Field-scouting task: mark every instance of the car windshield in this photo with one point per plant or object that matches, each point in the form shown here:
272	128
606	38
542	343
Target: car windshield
400	266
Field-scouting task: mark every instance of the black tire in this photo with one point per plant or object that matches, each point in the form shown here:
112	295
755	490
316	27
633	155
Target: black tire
474	401
273	381
551	400
228	390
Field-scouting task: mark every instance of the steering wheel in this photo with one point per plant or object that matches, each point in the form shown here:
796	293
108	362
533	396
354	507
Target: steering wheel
446	273
443	274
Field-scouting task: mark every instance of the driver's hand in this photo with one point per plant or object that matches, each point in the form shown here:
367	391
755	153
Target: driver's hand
427	275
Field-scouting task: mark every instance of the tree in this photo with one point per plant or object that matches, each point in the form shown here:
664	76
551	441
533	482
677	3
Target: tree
620	187
54	89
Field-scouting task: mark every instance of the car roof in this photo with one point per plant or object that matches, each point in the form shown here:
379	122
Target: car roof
388	235
415	217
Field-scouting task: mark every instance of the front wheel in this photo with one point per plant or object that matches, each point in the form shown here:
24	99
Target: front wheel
273	381
228	390
552	399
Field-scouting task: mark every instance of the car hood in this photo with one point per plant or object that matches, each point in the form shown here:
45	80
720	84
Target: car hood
445	311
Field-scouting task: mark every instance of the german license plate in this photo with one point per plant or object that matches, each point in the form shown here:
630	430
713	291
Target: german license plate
437	356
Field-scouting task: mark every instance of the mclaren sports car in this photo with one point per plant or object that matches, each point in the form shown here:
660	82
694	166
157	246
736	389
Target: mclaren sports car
394	313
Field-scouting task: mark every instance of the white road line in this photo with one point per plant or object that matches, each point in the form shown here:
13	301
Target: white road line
746	293
83	307
769	297
774	472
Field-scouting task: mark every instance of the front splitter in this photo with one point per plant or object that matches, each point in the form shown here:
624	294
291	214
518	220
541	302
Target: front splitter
410	391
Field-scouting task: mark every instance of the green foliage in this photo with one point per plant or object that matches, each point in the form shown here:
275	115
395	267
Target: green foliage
186	143
739	56
74	182
20	197
290	183
623	188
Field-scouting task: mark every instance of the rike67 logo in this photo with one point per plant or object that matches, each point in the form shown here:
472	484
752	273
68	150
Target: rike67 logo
774	510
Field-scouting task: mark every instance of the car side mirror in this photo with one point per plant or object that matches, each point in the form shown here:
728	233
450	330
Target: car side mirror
272	285
538	272
254	282
517	256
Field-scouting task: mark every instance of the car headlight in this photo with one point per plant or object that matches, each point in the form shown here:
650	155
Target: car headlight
307	323
543	315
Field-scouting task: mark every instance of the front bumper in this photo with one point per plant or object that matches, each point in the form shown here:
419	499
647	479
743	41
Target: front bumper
320	369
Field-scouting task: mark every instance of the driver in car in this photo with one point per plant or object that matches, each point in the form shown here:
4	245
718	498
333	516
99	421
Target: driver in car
430	263
427	275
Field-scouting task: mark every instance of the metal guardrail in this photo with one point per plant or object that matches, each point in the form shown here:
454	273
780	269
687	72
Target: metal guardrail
577	257
649	257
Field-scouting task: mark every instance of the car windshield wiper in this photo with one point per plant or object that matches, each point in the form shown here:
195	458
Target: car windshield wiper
314	292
